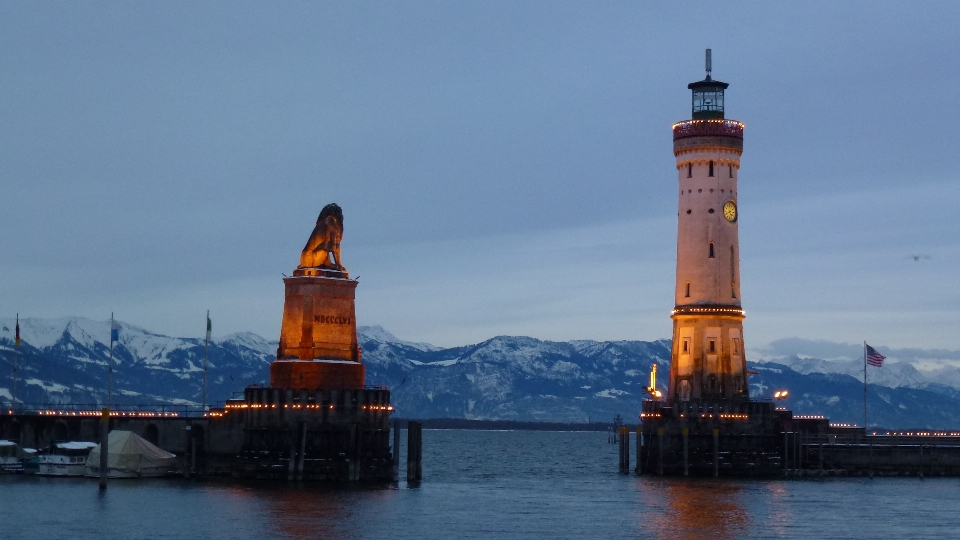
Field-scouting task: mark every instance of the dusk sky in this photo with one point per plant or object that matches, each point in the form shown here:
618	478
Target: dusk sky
503	167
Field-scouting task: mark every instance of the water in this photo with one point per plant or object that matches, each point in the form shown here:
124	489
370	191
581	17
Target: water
487	484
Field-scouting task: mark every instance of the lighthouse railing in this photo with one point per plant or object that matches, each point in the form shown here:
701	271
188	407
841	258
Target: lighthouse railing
697	128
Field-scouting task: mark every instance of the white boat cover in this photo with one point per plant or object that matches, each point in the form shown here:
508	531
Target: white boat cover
130	453
12	449
76	445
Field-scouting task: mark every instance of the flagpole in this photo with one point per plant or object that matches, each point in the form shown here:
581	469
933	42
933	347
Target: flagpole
864	386
110	374
16	361
206	346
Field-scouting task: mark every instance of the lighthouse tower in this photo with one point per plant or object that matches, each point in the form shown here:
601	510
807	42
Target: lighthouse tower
707	361
707	424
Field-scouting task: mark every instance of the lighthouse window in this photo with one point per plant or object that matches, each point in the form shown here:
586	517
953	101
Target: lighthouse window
731	170
686	345
736	345
711	169
688	289
689	170
711	250
713	347
688	210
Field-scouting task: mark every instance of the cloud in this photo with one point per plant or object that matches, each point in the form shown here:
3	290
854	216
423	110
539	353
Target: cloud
925	359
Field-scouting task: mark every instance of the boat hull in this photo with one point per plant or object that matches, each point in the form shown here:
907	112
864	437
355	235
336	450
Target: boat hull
61	469
11	464
65	459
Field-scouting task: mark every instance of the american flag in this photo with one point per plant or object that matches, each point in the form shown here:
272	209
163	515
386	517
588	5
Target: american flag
874	358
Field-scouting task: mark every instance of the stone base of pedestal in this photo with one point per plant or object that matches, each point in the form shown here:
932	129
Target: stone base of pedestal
316	374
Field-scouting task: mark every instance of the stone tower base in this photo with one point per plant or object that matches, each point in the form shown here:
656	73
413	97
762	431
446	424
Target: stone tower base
326	374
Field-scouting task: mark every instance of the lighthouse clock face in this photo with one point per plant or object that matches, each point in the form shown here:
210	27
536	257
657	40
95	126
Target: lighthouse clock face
730	211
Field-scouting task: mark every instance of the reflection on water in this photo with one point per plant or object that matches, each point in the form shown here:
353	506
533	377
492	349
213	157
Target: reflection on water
486	485
302	513
292	511
778	515
694	508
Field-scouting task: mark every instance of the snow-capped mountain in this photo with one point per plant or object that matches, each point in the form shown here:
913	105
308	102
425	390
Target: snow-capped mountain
521	378
934	370
507	378
67	360
514	378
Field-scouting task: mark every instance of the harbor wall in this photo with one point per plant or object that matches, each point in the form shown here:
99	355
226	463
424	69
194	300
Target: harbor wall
269	434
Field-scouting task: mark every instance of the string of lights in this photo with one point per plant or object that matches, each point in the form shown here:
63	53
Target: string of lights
692	310
695	128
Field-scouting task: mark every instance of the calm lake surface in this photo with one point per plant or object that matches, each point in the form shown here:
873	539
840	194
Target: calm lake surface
487	484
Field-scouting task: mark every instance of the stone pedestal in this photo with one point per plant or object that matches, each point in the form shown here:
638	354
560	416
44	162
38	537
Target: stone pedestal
316	374
318	339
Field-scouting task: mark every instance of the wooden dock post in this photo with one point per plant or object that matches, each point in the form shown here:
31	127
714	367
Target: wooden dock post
660	456
353	468
292	462
716	452
414	456
411	452
625	437
686	460
620	454
186	467
786	454
921	460
419	460
193	452
799	436
639	469
303	449
624	451
419	451
820	439
104	449
396	450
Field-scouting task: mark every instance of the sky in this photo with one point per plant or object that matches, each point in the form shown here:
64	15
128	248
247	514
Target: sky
504	168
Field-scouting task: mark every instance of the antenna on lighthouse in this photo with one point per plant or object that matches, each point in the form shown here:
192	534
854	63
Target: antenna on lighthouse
709	62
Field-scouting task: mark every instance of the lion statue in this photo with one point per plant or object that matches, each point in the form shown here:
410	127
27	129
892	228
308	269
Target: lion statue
323	247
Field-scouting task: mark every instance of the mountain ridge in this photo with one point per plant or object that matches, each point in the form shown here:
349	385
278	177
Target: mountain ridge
516	378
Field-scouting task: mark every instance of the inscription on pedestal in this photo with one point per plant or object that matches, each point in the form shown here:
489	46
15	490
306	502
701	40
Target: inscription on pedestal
325	319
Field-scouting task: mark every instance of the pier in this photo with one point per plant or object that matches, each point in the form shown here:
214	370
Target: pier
271	433
759	439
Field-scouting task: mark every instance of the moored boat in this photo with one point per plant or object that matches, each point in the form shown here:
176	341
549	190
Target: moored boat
12	457
65	459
